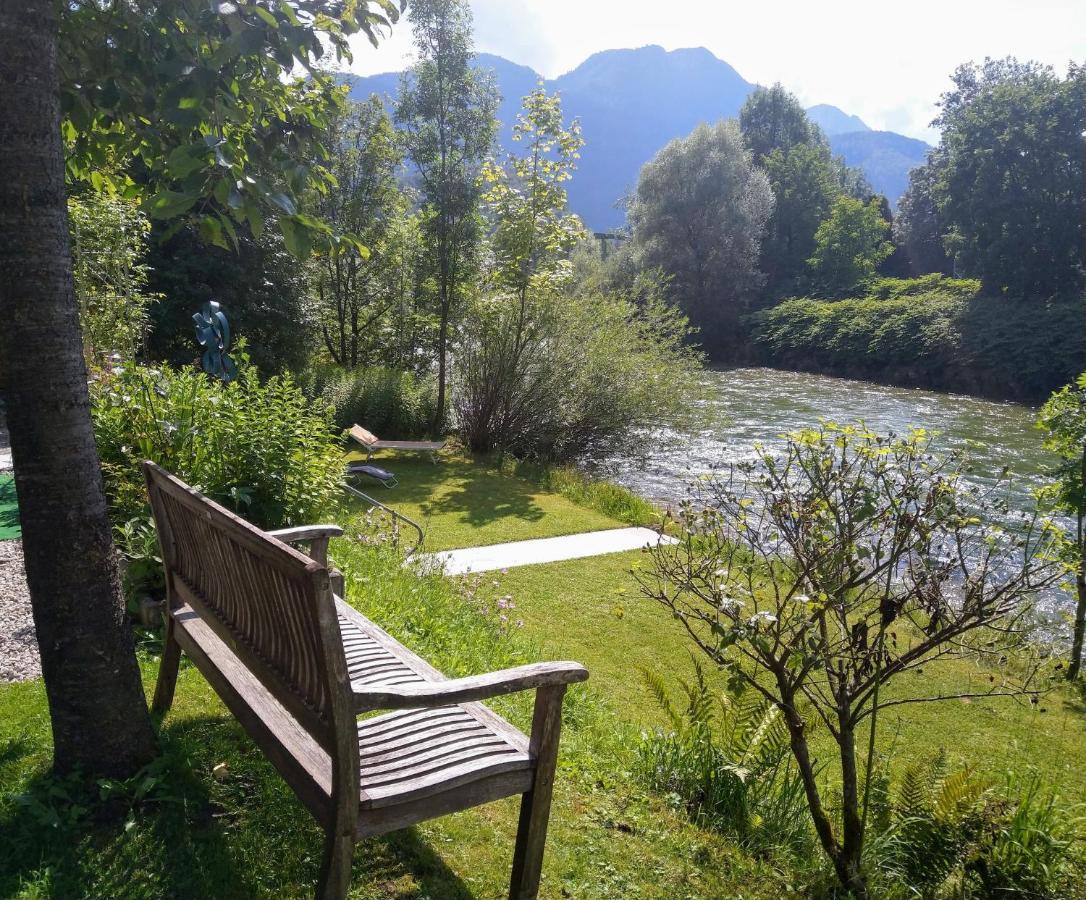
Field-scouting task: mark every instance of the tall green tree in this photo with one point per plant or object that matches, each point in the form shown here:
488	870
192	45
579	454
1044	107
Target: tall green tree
919	225
198	98
774	119
504	372
1013	186
849	247
699	214
352	288
805	185
1063	420
804	176
446	113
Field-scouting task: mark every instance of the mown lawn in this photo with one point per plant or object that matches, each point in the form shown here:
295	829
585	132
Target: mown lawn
463	503
218	822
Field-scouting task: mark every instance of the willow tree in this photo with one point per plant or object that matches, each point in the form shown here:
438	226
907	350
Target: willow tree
199	99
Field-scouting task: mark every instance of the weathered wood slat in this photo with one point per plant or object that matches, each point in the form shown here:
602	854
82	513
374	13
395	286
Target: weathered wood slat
291	660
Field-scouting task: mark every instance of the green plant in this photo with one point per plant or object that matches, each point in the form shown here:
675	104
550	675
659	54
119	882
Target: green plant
389	402
109	241
953	834
259	448
818	574
724	761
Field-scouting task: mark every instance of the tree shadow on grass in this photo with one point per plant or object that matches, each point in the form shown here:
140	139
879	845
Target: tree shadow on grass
220	823
473	493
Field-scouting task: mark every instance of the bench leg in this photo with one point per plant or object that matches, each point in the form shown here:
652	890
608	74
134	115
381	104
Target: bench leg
535	805
167	672
336	867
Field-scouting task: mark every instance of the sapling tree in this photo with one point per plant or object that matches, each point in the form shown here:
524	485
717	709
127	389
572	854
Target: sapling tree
819	574
1063	419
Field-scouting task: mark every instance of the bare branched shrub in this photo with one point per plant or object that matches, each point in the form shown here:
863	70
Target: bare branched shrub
816	575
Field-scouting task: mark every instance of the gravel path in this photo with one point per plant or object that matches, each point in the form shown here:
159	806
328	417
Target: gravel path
18	647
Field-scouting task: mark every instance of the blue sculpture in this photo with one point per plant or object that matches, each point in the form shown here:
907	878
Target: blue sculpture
213	332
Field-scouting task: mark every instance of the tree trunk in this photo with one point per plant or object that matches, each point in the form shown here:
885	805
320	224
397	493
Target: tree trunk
1080	588
96	702
445	299
852	828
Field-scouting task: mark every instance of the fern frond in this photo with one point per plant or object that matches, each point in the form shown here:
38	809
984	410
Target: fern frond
658	688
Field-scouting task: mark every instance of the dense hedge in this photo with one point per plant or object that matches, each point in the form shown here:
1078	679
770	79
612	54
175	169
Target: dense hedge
932	332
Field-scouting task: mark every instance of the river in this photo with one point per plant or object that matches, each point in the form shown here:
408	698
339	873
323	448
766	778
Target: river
748	406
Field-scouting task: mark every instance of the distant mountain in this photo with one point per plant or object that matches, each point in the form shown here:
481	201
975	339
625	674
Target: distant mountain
885	157
835	121
630	104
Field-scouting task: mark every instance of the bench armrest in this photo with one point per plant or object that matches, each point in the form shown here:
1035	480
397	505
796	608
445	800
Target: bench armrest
467	690
317	536
306	533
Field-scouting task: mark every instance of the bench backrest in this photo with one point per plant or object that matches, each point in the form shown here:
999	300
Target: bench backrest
271	604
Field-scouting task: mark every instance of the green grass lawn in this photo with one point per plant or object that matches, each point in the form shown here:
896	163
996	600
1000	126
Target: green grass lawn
9	509
462	503
220	823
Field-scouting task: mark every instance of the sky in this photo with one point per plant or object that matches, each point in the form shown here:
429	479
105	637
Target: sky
886	63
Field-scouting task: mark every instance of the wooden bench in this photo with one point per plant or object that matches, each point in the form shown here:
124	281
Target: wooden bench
297	666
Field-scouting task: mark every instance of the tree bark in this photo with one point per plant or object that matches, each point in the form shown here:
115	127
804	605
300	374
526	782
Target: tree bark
96	703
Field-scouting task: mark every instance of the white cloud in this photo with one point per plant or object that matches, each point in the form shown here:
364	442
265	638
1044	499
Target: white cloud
886	63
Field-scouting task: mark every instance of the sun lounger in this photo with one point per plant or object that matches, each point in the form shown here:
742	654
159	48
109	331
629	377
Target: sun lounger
372	443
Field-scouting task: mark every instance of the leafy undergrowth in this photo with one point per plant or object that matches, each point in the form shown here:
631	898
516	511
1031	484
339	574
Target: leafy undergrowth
212	818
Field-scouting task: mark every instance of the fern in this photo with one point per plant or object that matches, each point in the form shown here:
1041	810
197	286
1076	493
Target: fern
724	759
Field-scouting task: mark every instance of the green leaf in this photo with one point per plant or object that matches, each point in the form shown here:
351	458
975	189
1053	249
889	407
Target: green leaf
266	16
167	204
185	160
296	237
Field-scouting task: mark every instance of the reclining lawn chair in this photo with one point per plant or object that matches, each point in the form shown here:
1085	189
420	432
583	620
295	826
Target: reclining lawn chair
372	443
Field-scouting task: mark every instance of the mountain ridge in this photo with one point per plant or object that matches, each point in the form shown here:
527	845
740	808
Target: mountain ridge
633	101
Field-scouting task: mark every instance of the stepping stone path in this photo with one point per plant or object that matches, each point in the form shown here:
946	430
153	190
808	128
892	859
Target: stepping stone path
543	550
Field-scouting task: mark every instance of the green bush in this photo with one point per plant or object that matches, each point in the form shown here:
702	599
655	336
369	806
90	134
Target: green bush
259	448
723	760
391	403
933	332
952	834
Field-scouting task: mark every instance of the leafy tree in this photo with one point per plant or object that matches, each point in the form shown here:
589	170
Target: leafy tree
849	247
198	97
1013	184
1063	419
699	215
805	185
818	575
109	242
773	119
262	287
353	290
918	225
446	113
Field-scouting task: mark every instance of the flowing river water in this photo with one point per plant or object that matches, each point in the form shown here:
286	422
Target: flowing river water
749	406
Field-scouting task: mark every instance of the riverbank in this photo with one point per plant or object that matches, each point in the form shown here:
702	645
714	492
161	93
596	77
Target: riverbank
933	332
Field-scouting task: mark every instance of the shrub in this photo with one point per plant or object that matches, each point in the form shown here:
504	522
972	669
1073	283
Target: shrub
723	759
259	448
388	402
934	332
954	834
109	241
583	376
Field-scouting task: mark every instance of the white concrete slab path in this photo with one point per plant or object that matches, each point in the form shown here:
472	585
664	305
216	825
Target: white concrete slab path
543	550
